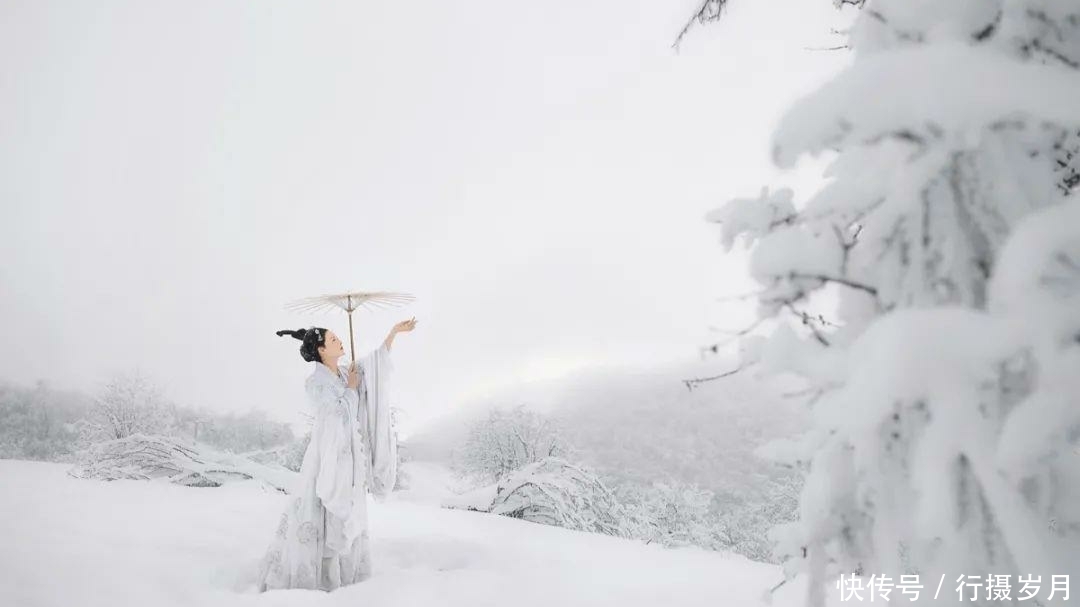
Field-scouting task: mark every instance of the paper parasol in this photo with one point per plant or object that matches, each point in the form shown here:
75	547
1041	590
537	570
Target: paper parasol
350	302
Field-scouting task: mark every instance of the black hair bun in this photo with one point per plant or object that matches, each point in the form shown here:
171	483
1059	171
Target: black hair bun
312	339
299	334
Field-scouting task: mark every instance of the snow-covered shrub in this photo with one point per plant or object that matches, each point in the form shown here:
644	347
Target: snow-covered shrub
149	457
746	526
676	513
670	514
636	425
552	491
138	457
505	441
944	437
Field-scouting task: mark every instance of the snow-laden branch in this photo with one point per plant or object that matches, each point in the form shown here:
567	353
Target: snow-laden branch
926	93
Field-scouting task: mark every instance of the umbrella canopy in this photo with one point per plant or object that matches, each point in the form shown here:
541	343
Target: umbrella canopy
350	302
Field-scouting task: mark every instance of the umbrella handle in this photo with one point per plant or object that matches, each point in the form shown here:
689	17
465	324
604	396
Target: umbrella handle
352	350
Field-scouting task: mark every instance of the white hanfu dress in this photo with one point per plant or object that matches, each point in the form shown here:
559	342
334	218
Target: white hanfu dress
322	539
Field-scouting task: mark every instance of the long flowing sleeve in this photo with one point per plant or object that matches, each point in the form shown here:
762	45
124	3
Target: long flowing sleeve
333	403
378	424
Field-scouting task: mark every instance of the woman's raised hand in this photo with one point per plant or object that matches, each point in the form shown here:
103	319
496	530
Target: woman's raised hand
402	327
354	378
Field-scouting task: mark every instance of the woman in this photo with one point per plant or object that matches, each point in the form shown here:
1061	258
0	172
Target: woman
322	538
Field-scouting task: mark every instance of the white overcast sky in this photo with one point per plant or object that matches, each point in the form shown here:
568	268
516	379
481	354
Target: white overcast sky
536	173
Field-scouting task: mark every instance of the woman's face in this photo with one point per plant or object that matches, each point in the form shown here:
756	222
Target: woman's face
333	348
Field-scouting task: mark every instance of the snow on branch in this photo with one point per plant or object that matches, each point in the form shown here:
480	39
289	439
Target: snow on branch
753	217
923	93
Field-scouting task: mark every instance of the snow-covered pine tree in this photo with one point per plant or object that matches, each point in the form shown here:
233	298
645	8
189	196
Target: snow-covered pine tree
947	243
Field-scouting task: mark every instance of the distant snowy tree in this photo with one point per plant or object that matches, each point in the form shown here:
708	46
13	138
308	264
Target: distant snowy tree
294	452
39	423
944	378
129	404
239	433
505	441
46	424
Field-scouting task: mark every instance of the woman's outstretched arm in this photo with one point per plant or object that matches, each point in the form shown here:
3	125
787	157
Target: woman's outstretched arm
377	420
402	327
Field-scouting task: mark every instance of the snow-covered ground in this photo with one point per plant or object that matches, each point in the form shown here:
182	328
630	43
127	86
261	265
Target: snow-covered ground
86	542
